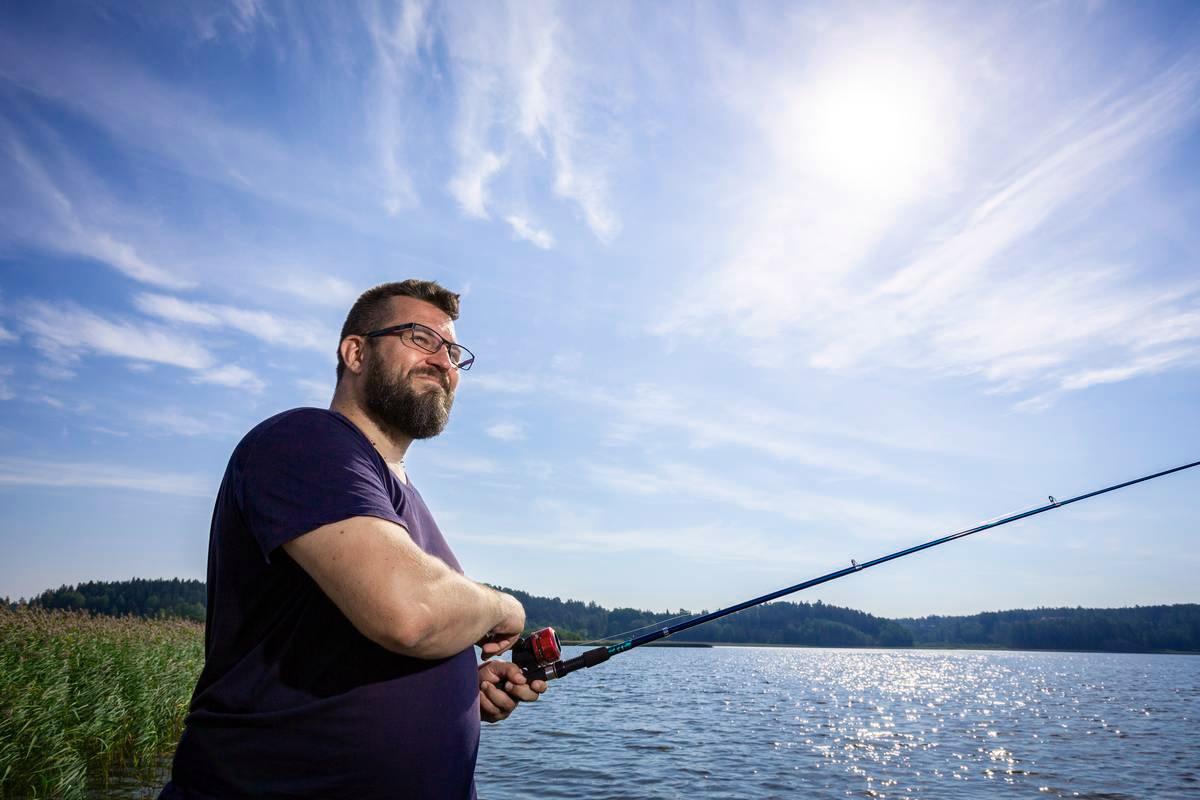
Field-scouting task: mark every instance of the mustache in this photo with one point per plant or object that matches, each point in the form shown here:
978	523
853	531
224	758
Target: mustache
442	378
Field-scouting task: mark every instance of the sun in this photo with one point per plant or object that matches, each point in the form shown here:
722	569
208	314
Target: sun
874	122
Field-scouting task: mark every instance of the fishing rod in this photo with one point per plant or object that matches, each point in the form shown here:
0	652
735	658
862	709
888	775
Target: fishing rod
539	654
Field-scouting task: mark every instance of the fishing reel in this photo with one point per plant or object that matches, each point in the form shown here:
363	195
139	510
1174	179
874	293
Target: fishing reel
539	656
538	649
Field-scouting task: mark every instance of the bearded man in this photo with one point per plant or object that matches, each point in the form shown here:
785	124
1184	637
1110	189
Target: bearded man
338	646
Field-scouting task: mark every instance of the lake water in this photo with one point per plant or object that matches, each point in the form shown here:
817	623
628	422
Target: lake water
733	722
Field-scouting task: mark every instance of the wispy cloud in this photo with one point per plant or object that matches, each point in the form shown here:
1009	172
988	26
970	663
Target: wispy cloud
124	257
1152	364
318	289
6	391
646	412
501	383
707	543
398	34
316	392
66	332
260	324
177	422
455	463
240	15
1010	291
233	376
6	335
52	217
73	474
506	431
522	229
188	129
748	428
108	431
476	168
517	56
65	207
1140	366
858	517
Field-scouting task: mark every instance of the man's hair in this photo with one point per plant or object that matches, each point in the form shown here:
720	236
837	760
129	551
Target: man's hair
369	311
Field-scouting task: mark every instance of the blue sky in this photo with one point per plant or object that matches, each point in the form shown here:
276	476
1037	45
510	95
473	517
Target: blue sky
755	289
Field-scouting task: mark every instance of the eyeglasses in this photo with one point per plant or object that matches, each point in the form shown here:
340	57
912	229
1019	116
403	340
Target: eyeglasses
428	340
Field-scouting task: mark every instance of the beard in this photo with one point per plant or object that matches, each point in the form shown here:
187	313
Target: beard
399	409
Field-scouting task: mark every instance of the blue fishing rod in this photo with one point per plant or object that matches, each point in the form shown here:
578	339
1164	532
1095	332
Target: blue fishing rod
539	654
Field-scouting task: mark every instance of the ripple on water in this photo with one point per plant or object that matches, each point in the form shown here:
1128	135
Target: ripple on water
851	723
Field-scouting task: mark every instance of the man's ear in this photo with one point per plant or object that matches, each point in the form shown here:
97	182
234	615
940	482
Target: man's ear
353	351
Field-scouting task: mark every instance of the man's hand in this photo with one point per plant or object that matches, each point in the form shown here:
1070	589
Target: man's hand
505	634
501	687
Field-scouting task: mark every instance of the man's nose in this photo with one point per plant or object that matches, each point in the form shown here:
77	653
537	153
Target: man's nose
441	359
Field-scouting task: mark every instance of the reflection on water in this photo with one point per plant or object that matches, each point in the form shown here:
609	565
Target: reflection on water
765	723
139	784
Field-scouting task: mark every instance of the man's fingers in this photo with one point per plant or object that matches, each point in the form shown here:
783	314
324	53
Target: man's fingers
488	711
523	693
494	647
499	697
515	686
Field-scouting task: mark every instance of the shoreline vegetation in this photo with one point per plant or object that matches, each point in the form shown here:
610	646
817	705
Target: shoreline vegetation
88	697
1140	629
980	647
85	699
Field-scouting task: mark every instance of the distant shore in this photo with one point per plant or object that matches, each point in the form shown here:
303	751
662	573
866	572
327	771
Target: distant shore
1164	629
980	648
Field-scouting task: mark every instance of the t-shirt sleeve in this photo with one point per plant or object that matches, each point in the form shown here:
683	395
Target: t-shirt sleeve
305	471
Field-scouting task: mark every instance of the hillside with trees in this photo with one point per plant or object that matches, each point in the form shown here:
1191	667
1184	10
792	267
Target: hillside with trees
156	598
814	624
1174	628
1126	630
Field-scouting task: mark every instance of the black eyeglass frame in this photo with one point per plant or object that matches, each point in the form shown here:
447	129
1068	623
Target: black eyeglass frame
395	330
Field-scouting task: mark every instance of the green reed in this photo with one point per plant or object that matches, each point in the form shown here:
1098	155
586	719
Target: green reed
82	696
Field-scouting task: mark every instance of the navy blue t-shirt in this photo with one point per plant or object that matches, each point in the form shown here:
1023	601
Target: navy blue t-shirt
293	701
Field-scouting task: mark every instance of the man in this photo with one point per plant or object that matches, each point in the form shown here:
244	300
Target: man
338	647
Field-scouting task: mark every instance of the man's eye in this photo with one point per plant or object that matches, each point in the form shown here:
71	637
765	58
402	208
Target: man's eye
422	339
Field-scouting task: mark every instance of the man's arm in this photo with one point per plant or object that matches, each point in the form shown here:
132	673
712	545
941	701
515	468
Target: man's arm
400	597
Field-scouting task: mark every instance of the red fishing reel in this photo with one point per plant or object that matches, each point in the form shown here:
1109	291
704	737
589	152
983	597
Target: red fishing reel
538	649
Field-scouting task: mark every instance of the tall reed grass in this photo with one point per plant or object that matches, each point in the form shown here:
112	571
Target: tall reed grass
82	696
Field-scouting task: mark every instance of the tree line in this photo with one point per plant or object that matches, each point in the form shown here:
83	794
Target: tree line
774	623
139	597
1123	630
1138	629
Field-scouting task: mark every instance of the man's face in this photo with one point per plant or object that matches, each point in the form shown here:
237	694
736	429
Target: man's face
407	391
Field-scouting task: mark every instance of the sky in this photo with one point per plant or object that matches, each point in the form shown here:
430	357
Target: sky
755	289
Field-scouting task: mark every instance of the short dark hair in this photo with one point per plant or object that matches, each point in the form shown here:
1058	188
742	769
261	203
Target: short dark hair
369	311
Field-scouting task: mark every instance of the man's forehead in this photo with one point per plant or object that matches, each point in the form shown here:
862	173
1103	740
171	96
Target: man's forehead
410	309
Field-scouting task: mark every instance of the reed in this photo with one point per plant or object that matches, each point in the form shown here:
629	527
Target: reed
83	696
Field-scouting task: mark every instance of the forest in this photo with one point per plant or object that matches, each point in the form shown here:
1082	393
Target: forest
139	597
1126	630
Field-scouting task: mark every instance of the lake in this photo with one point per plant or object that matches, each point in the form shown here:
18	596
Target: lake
750	722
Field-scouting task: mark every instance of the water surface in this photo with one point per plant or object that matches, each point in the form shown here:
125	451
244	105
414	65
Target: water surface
782	723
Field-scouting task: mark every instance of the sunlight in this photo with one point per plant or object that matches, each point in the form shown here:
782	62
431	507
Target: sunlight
875	124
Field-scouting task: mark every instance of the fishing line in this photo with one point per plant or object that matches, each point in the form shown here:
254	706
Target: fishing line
539	654
623	634
662	623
